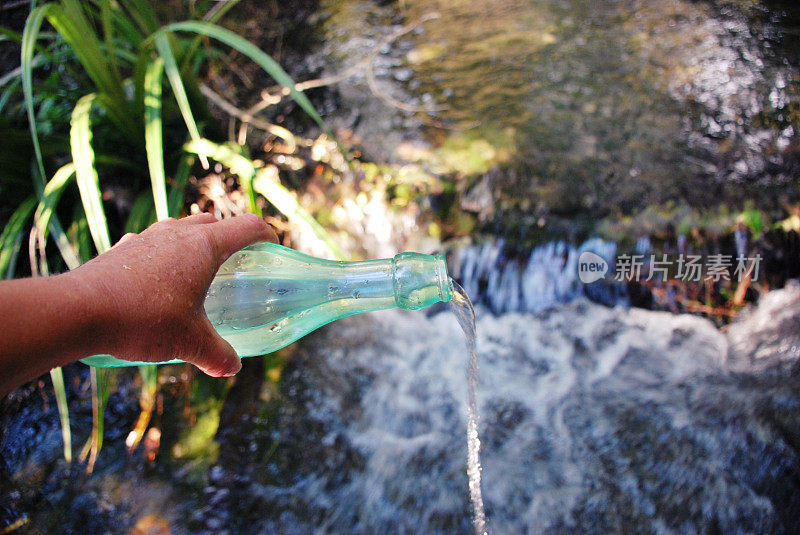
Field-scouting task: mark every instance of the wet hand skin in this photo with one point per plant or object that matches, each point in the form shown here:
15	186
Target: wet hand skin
142	300
152	287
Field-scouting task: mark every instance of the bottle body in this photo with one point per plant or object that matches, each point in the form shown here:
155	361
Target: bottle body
267	296
260	304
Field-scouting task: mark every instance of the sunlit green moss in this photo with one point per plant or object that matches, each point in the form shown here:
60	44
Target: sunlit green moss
474	151
425	52
198	441
685	220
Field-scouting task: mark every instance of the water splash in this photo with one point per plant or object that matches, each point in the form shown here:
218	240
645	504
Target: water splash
462	308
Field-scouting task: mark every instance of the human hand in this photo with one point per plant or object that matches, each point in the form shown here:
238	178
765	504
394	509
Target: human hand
150	289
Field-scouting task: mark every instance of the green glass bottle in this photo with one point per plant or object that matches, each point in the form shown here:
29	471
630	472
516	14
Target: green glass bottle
266	296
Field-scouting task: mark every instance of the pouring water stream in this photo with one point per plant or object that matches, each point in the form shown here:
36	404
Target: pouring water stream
465	314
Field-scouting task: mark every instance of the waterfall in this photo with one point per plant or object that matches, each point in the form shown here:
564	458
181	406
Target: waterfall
546	277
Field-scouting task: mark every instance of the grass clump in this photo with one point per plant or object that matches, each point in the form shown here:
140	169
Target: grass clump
91	91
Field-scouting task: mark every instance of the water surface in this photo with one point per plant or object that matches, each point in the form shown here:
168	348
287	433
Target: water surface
579	107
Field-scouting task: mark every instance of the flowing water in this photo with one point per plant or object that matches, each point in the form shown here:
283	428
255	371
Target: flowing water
546	278
561	107
462	308
594	419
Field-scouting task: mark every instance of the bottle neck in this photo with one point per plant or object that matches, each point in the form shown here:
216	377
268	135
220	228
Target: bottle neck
367	280
420	280
409	280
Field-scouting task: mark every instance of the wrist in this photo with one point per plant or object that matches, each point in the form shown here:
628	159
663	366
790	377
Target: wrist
90	316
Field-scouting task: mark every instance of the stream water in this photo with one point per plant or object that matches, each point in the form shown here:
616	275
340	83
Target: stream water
564	107
594	419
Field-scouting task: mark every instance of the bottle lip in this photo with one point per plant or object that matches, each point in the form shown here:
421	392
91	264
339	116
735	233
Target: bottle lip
443	279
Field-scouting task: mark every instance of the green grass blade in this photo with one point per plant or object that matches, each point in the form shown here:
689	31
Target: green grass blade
282	199
12	263
262	59
106	19
142	214
79	235
219	10
29	35
124	24
140	219
88	184
213	16
43	219
275	193
7	34
150	377
8	93
104	382
174	76
153	136
10	241
44	50
17	72
68	252
139	68
147	403
177	192
144	15
236	162
11	233
101	388
70	21
52	194
57	376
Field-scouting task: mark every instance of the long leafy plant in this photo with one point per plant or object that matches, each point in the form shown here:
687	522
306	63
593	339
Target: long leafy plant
119	53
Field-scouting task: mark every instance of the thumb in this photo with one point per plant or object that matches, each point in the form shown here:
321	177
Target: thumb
230	235
214	356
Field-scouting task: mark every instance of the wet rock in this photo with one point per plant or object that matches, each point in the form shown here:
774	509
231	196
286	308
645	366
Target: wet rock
404	74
